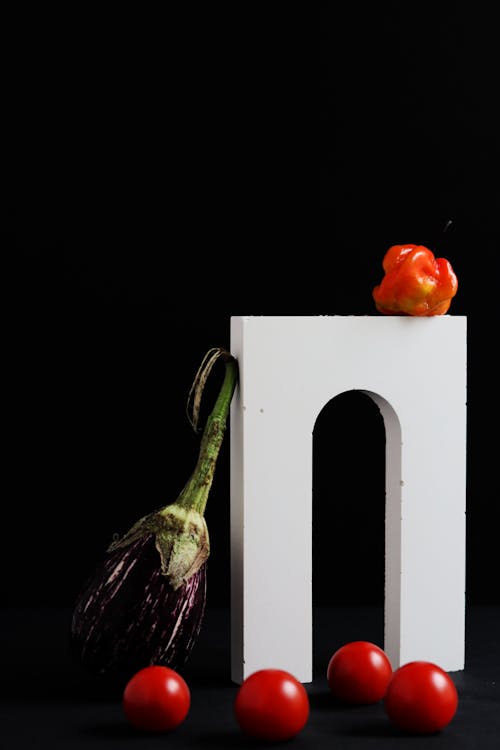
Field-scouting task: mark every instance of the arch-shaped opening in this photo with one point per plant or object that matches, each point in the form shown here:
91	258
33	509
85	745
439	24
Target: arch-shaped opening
349	477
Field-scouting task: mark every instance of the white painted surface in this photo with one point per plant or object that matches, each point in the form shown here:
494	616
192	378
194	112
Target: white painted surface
290	367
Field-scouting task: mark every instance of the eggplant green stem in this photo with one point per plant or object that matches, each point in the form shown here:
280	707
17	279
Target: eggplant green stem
196	490
180	528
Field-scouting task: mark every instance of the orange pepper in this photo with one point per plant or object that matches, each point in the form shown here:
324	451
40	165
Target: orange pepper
415	282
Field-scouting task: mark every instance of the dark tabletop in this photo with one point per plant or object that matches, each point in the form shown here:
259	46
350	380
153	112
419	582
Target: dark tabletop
48	703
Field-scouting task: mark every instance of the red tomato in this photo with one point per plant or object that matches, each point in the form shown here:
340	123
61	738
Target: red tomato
271	704
359	672
421	698
156	699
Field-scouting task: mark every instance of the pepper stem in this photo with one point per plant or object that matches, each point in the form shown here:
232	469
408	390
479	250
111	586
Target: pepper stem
196	490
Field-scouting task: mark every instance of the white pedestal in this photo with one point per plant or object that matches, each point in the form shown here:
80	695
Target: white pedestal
290	367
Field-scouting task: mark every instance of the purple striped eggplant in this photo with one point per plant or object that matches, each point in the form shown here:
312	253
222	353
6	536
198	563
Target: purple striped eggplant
145	603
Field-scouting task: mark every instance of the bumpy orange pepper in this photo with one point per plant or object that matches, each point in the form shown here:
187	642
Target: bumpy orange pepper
415	282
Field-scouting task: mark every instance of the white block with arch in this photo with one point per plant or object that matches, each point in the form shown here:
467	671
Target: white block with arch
290	368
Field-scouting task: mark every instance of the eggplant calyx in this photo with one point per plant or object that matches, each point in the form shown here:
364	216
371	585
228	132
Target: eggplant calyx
181	538
182	542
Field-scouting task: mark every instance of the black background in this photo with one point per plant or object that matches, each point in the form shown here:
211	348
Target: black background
164	174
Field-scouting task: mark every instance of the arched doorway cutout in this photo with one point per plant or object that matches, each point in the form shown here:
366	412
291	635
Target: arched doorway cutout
348	491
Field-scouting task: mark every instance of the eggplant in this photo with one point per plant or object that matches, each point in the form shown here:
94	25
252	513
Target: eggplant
145	602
